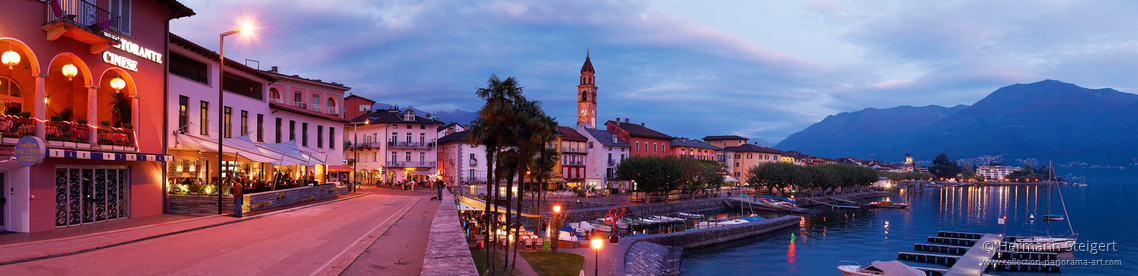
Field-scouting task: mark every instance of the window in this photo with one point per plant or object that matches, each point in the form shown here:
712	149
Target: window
408	137
121	9
637	146
205	118
374	157
243	86
736	174
331	137
316	102
244	123
654	147
423	127
291	130
472	156
422	158
274	95
278	130
297	98
408	156
331	105
304	134
395	137
472	174
365	108
188	68
183	113
260	127
228	122
423	138
409	115
320	136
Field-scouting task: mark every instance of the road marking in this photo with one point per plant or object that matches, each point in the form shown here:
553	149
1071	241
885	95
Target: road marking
360	245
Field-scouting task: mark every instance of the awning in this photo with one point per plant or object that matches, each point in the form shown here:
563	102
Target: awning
479	205
79	154
242	147
462	207
557	180
420	172
730	179
339	168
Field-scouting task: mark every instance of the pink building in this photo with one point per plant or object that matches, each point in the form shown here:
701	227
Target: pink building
88	78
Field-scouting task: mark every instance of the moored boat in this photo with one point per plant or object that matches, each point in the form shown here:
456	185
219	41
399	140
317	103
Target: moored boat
888	204
876	268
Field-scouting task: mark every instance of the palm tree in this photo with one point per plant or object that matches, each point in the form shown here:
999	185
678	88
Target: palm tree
487	130
531	134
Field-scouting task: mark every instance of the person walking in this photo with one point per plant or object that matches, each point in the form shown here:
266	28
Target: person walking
441	185
238	198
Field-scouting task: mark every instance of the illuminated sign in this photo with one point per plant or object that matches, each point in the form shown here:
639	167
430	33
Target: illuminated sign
120	61
135	49
30	151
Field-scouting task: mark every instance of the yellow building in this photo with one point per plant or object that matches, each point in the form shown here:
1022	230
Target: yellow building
747	156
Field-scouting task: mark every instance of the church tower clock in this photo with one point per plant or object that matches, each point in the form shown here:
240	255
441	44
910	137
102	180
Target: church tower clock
587	96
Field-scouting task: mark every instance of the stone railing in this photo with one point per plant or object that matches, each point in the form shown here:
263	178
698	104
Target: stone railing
272	199
447	251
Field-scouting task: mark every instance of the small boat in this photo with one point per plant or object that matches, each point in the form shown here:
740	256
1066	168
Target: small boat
690	215
1031	217
888	204
876	268
1044	243
719	222
1052	217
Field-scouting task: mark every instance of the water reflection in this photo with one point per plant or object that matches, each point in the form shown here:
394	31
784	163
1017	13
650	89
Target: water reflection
1097	213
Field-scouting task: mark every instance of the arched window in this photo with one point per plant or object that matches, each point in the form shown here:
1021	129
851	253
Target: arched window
585	97
274	95
331	105
11	97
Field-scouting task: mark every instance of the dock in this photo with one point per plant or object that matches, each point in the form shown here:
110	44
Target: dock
833	206
967	254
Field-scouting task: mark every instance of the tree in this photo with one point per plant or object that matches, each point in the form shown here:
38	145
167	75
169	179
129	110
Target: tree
493	119
776	175
944	168
697	174
651	174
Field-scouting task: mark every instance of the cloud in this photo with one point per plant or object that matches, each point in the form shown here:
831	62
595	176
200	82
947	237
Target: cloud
671	71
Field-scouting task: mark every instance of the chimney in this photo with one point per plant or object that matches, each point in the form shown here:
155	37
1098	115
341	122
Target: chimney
617	119
274	69
756	143
641	124
625	120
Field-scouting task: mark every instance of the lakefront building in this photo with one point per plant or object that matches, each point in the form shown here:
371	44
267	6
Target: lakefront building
644	141
81	82
747	156
266	140
573	155
392	146
605	152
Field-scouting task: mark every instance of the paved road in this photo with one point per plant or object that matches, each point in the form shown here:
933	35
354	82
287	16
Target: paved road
311	241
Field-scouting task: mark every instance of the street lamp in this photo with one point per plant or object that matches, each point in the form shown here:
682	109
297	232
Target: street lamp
356	149
221	107
596	262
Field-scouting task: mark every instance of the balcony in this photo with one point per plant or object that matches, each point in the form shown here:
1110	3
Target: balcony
411	164
473	178
316	107
276	100
410	145
62	132
300	105
116	137
574	163
573	150
332	110
474	162
82	21
16	127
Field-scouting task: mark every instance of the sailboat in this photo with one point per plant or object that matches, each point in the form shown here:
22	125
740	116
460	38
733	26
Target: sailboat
1043	241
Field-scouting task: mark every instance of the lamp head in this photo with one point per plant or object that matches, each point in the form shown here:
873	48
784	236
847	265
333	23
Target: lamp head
557	208
11	58
118	84
597	242
70	71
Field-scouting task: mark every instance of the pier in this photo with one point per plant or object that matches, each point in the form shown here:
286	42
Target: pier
967	254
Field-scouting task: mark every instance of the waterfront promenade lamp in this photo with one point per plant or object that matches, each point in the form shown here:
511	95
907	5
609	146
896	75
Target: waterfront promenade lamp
246	27
597	242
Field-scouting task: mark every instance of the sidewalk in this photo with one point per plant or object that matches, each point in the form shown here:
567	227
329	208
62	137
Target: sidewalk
24	247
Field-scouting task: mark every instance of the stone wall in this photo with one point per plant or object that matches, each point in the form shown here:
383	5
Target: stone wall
702	237
648	258
198	205
272	199
447	250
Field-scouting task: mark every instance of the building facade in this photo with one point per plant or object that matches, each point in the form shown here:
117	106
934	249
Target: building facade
644	141
393	146
459	163
574	152
82	81
694	149
354	106
605	152
748	156
996	172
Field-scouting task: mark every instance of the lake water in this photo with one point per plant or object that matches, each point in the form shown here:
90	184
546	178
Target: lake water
1100	212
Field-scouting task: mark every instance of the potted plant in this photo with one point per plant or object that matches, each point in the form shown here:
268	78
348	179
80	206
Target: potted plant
81	121
26	114
105	123
120	106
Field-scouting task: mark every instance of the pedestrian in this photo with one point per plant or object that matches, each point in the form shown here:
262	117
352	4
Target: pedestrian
238	199
728	194
441	186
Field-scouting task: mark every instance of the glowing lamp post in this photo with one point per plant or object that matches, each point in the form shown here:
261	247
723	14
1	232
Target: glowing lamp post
221	108
10	58
597	258
70	71
556	209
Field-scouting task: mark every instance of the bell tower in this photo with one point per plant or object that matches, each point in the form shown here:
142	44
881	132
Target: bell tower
587	96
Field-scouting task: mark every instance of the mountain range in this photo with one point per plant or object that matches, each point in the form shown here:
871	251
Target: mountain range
1046	120
456	116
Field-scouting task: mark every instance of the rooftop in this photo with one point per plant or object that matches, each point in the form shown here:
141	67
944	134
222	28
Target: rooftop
684	142
569	133
391	116
607	138
752	148
640	130
454	137
725	137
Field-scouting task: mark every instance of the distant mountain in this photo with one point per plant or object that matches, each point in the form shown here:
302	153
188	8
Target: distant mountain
456	116
1046	120
864	133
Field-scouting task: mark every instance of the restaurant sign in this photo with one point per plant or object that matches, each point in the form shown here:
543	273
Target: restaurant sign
135	49
30	151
